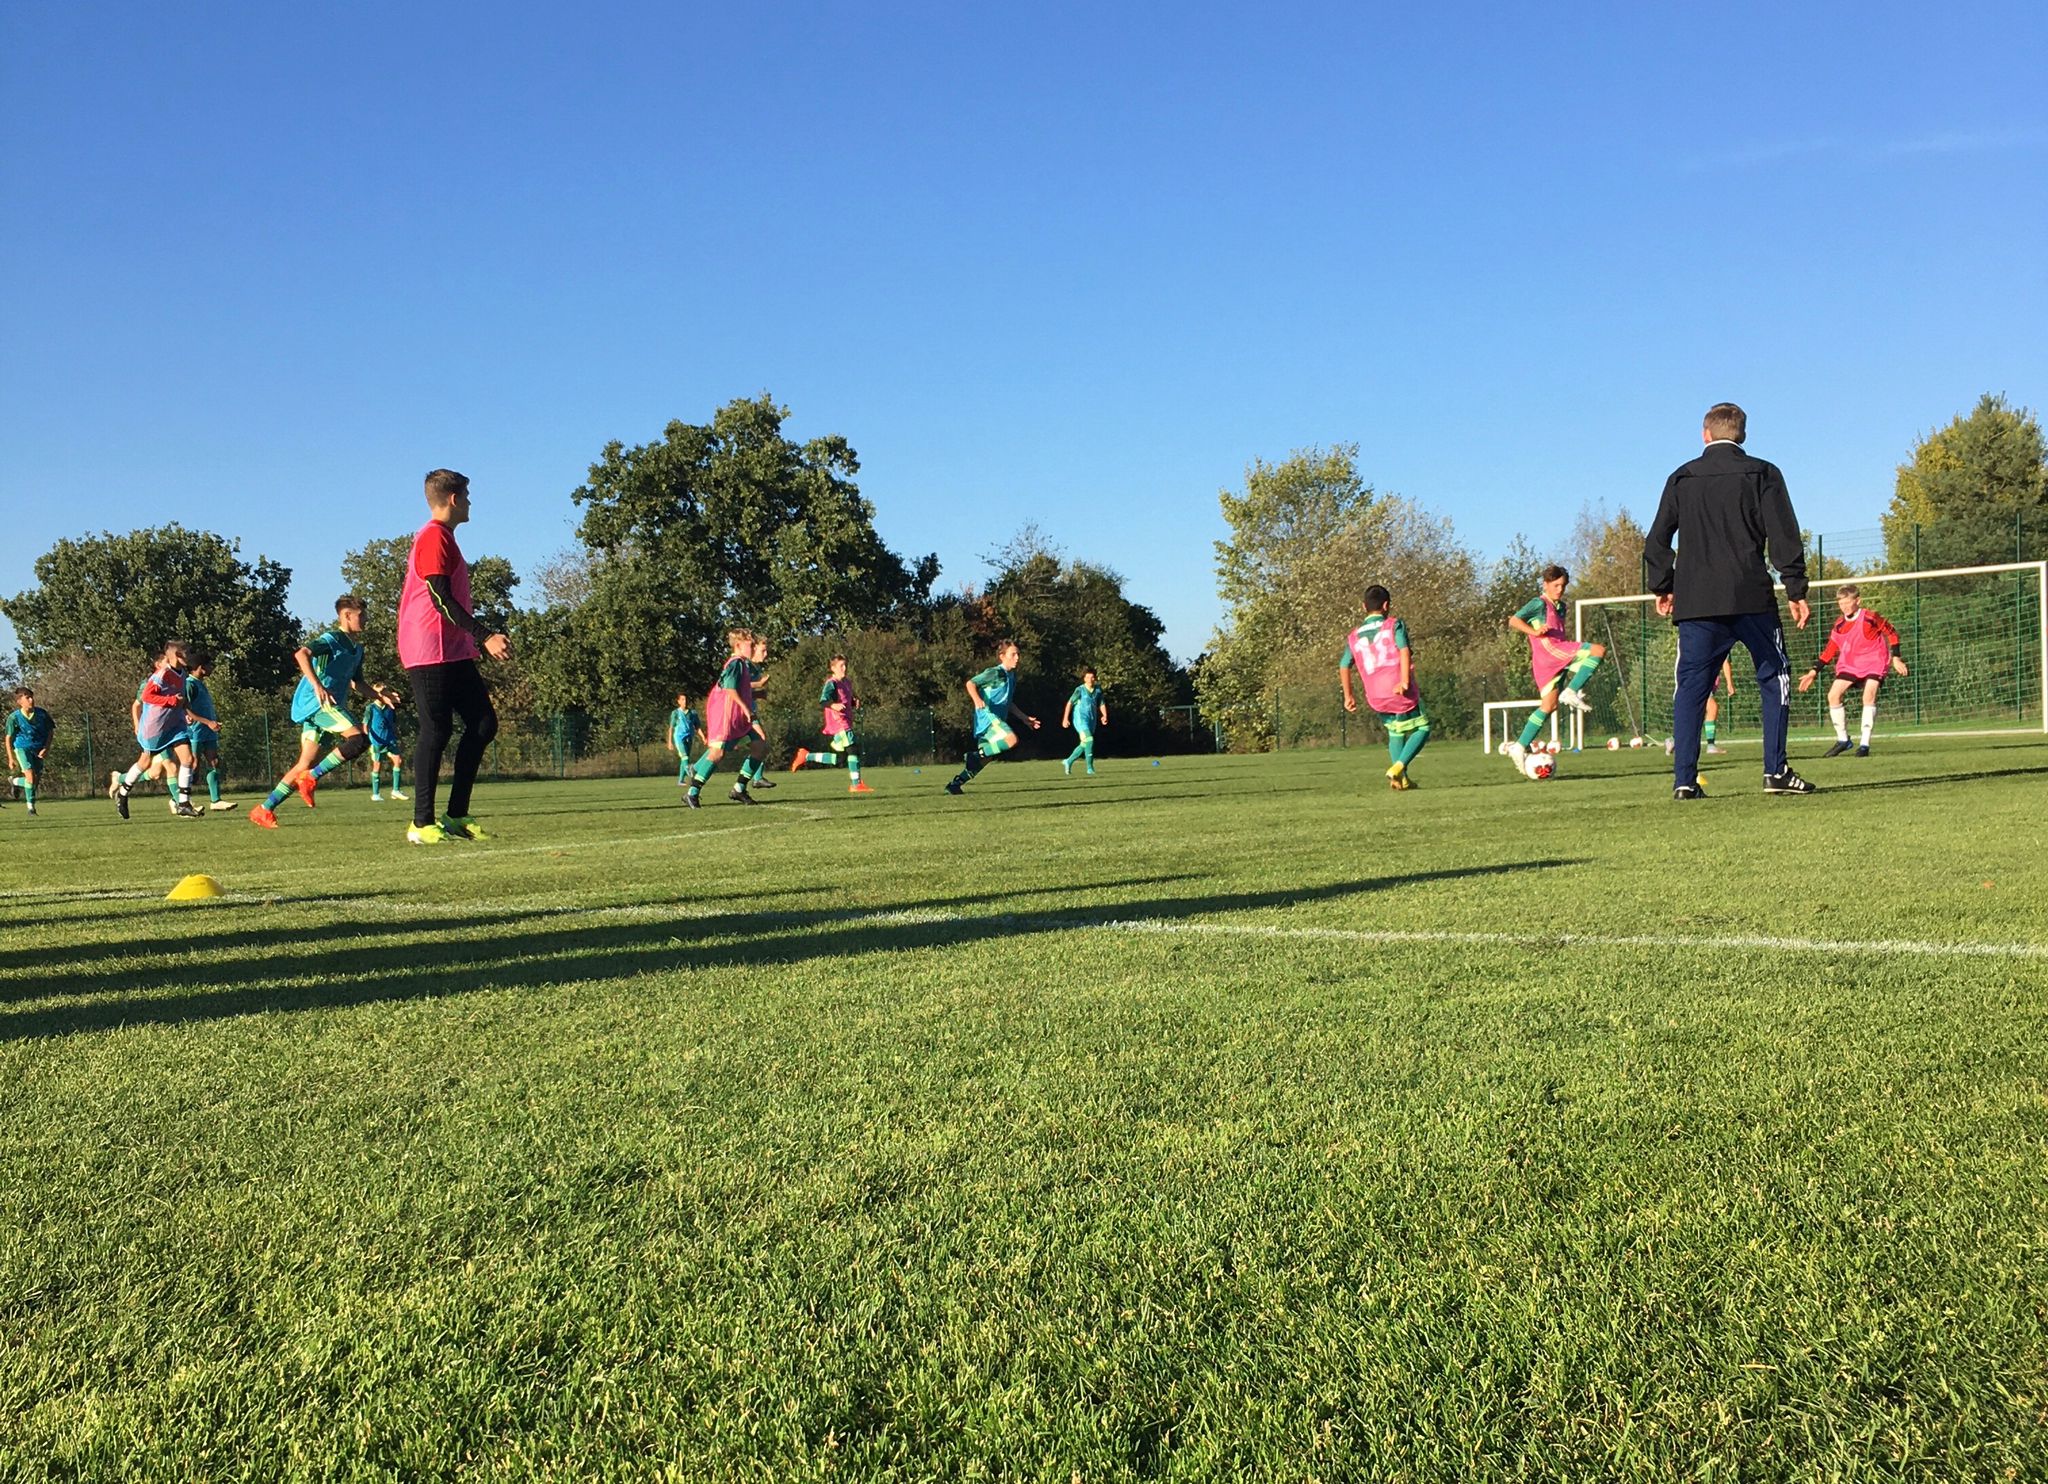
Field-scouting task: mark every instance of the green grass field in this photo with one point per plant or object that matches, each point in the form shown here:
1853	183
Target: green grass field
1231	1118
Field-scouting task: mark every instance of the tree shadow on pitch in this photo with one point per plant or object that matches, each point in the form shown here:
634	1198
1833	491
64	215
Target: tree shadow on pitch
266	982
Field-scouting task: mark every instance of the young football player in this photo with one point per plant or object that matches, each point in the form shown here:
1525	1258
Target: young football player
1861	645
380	720
1560	665
990	694
204	733
162	729
1378	650
1713	723
329	666
1085	708
836	703
682	730
29	730
729	720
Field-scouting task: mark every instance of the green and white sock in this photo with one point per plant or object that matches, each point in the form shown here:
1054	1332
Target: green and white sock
1531	727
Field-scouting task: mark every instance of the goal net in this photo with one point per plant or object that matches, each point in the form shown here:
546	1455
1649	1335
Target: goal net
1974	639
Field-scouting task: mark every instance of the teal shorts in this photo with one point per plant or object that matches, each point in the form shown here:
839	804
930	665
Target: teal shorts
328	719
379	752
993	735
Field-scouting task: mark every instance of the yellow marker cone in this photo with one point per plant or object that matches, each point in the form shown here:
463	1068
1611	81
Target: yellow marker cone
195	889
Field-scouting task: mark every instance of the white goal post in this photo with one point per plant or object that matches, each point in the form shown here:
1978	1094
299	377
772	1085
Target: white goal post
1487	712
1974	639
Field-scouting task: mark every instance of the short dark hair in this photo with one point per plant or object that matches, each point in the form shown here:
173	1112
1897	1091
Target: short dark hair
348	601
1552	572
838	659
444	485
200	659
21	691
1376	598
1726	420
1850	590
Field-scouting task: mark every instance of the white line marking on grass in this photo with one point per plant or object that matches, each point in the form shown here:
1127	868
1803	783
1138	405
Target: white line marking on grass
1895	947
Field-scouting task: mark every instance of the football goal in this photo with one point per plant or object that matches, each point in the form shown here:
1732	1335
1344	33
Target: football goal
1575	735
1974	639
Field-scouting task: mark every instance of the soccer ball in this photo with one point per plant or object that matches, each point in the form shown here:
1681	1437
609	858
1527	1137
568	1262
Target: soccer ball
1614	744
1635	741
1540	766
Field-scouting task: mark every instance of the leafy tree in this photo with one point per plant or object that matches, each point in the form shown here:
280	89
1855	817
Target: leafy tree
123	596
1603	553
726	523
1970	487
375	572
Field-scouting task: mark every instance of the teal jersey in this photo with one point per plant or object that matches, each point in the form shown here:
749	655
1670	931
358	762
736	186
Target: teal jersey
29	731
336	659
1087	707
381	722
199	700
682	724
995	684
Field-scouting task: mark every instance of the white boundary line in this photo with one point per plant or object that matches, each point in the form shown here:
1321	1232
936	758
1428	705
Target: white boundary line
1721	943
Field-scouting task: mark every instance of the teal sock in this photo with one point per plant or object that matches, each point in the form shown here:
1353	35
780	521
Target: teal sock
701	770
1411	745
277	795
328	764
28	790
377	782
1088	747
1712	727
213	784
682	767
853	766
394	777
1075	756
1531	727
1581	672
825	759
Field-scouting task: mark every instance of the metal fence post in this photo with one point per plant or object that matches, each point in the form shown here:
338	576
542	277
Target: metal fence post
1917	666
269	768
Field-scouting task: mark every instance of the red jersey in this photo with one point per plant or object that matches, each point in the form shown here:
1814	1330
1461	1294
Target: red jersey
425	636
1861	646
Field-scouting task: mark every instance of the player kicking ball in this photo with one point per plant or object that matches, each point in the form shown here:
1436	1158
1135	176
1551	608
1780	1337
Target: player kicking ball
837	703
989	693
1861	645
329	663
1560	664
1378	650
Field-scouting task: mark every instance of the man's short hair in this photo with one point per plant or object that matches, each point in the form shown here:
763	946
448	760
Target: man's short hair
1726	420
444	485
1552	572
348	602
1376	598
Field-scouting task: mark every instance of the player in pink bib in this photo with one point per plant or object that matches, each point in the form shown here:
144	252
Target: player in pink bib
1862	646
729	722
1378	650
836	705
1560	665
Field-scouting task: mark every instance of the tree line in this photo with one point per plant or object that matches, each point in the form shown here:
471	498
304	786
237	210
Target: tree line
732	523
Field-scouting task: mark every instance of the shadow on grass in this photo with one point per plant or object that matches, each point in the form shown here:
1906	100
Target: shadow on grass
270	978
42	973
1934	780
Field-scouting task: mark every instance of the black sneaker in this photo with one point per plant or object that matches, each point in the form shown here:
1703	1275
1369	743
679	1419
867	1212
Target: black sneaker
1838	749
1864	750
741	796
121	802
692	800
953	786
1685	791
185	811
1787	782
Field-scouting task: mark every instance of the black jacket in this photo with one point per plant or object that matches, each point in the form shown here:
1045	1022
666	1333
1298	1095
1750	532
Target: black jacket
1725	508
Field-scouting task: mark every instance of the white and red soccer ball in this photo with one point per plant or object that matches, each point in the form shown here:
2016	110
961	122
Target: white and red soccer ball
1539	765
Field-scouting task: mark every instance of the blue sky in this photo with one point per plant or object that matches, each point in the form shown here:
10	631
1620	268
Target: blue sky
1073	265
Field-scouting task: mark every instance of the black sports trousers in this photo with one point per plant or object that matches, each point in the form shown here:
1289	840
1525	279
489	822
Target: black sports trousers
440	694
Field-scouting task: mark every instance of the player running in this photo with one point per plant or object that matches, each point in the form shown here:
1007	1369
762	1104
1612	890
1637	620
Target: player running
1713	724
204	733
729	721
162	729
29	730
1560	664
837	703
1861	644
1378	650
329	666
682	731
990	693
1085	708
380	720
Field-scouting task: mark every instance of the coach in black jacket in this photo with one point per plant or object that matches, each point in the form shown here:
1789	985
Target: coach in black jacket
1726	508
